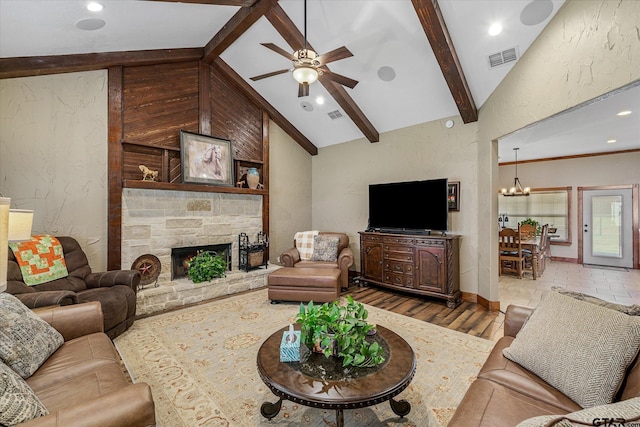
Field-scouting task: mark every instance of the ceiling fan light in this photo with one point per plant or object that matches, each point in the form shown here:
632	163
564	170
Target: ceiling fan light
305	75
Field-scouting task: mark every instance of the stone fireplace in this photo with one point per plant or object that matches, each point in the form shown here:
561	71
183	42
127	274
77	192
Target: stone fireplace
180	256
154	221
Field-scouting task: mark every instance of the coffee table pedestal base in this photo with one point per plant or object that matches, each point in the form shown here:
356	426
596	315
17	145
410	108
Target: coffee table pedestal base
399	407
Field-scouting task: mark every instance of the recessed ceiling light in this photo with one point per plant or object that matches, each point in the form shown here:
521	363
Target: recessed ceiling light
495	29
90	24
319	100
94	6
624	113
611	141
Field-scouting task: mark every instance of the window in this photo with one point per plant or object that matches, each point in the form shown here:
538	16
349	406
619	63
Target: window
546	205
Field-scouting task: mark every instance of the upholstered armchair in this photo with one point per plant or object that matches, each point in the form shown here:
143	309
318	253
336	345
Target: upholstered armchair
115	290
344	259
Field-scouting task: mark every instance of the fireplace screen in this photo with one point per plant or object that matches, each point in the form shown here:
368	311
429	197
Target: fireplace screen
180	257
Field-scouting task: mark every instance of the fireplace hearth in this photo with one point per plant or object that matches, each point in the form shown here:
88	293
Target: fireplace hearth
180	256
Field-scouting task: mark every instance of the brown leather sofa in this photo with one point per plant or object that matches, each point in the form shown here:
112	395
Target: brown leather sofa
115	290
505	393
291	258
82	383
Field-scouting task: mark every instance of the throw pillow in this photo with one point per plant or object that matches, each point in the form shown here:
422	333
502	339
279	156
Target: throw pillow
26	341
325	248
631	310
578	348
617	413
18	403
304	243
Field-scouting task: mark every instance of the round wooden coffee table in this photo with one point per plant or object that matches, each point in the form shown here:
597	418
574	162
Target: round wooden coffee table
321	382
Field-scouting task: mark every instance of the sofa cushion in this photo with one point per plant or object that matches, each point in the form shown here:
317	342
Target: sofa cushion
617	413
18	403
325	248
26	341
304	243
579	348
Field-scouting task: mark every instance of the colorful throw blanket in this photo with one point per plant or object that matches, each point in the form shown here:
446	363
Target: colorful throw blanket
41	259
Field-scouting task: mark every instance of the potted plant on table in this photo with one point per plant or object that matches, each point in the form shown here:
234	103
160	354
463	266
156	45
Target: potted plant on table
206	266
340	331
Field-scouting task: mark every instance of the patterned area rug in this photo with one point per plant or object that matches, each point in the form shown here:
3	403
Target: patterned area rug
201	365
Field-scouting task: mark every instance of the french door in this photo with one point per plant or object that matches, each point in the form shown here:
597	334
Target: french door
607	227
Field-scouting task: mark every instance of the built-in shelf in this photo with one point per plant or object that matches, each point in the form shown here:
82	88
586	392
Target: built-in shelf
171	186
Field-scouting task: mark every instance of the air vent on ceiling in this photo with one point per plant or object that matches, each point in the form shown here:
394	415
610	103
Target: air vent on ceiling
334	114
504	57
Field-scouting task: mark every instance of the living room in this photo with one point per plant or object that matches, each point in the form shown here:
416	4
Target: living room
62	172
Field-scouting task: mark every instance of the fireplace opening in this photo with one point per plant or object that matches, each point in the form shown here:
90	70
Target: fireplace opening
180	256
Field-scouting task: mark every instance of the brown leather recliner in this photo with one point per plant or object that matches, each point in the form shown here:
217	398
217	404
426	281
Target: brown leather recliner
291	258
115	290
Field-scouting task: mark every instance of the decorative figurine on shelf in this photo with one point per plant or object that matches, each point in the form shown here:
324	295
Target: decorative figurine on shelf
148	174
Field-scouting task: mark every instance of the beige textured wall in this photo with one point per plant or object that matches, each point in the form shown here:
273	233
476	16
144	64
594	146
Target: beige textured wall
53	155
614	169
589	48
289	191
342	174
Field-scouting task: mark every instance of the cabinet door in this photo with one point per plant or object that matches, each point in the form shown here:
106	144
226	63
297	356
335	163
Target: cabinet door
372	260
431	269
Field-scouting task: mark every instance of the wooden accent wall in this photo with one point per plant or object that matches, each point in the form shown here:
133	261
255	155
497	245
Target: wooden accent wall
158	101
150	104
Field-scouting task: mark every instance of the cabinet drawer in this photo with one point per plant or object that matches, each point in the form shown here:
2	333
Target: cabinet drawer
398	248
431	242
399	280
398	267
398	240
399	256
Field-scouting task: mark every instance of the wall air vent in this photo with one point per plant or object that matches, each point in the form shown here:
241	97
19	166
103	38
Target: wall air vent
334	114
504	57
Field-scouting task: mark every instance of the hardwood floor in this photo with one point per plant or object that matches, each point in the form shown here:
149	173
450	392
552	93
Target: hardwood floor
467	317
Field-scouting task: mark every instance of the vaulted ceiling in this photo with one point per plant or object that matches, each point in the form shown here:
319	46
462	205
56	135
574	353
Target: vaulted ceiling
415	60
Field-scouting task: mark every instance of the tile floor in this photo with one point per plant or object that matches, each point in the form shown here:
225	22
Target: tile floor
615	285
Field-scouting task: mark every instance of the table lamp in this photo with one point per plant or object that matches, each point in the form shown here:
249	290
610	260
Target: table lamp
15	226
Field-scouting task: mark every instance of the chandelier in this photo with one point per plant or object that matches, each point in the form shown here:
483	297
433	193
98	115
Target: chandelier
517	189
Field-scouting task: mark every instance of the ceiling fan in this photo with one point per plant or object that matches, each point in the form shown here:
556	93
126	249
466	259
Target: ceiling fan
308	65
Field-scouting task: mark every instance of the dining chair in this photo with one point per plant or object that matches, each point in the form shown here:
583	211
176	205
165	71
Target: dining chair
535	260
527	231
510	252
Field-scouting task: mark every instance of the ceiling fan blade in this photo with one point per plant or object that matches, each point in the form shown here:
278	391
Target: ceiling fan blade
334	55
338	78
279	50
264	76
303	90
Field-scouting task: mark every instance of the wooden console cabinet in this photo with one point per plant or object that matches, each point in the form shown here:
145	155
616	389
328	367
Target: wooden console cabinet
424	265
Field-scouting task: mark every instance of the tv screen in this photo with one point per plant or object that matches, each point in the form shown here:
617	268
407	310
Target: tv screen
409	206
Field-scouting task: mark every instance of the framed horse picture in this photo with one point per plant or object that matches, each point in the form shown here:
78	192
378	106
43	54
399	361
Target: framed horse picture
205	159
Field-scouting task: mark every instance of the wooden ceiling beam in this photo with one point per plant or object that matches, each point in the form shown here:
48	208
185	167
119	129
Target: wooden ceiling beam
434	27
57	64
235	27
257	99
241	3
287	29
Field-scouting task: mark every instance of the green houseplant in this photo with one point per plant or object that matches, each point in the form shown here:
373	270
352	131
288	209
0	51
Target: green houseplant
206	266
340	331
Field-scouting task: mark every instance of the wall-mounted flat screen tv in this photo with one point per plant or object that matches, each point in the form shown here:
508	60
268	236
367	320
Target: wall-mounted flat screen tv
413	206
